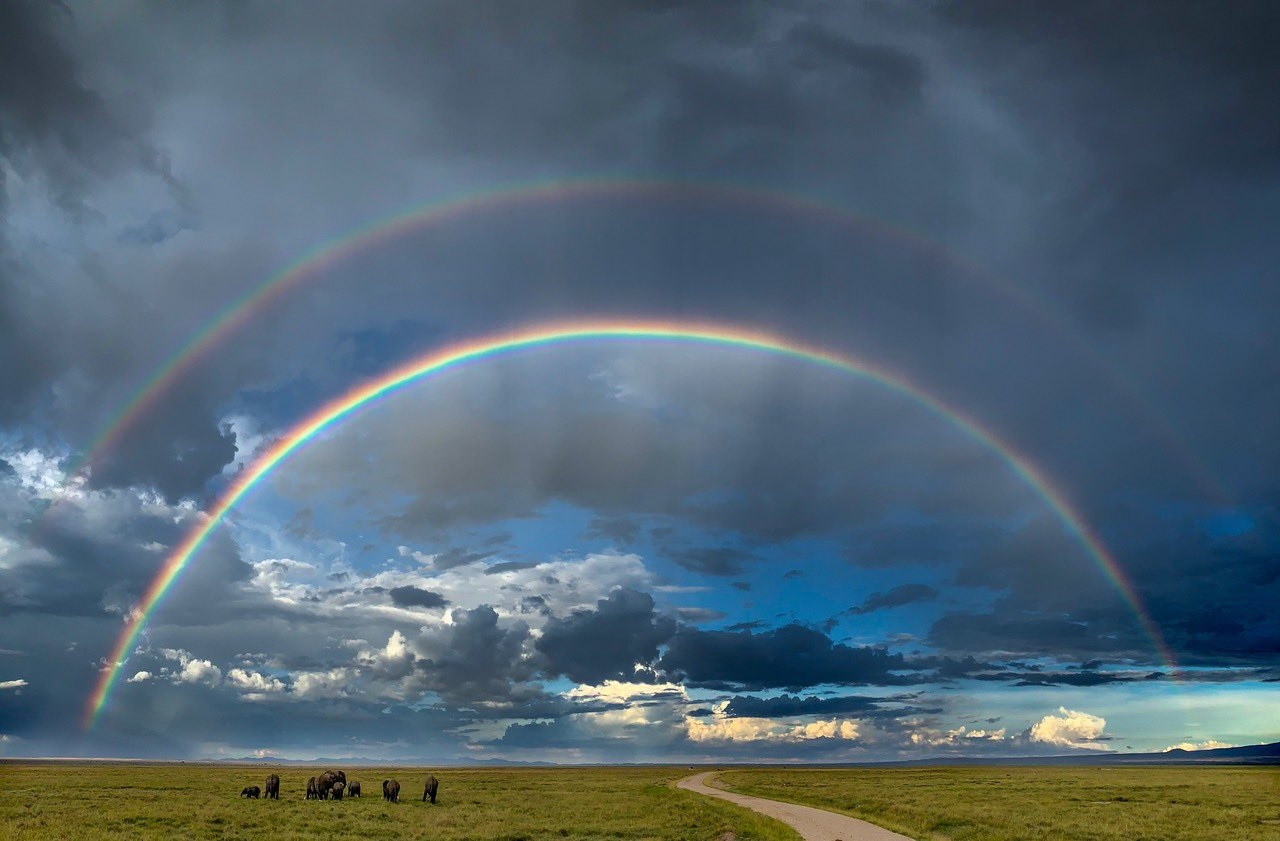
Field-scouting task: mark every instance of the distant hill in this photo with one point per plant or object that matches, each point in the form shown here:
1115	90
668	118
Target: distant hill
1268	754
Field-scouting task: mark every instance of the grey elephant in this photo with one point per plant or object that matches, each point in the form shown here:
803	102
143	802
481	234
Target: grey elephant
391	790
251	792
353	790
336	791
324	784
433	785
313	790
272	790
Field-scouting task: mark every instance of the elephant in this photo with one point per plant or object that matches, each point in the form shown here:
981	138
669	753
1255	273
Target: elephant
324	784
433	785
353	790
336	791
272	791
313	790
391	790
251	791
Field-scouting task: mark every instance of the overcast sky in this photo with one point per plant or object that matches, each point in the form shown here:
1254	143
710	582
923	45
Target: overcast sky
1058	219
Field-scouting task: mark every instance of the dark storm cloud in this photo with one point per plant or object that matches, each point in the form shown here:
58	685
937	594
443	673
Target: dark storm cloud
1205	615
746	473
608	642
722	561
416	597
790	657
1116	161
52	125
898	596
458	556
94	556
860	706
1062	678
508	566
621	530
887	71
1179	54
473	658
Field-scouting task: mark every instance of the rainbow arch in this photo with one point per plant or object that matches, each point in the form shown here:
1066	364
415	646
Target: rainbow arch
463	353
383	229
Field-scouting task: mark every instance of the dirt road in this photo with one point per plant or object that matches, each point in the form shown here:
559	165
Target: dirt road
812	824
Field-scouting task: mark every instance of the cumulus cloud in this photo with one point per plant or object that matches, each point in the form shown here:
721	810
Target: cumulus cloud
1069	729
958	736
721	728
590	646
898	596
12	684
1208	744
255	685
141	676
620	691
328	683
790	656
410	596
200	671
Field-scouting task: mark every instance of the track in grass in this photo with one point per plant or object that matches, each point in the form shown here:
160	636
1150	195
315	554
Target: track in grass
986	803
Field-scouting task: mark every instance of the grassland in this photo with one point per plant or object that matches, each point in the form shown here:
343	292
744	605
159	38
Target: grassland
93	801
1019	803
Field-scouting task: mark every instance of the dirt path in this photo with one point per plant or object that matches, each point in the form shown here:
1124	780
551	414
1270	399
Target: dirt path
812	824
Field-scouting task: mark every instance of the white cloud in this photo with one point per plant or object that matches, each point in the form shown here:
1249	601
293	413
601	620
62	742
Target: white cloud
834	729
563	584
140	677
12	684
1069	729
332	683
959	736
200	671
1208	744
255	684
721	728
622	691
392	662
742	729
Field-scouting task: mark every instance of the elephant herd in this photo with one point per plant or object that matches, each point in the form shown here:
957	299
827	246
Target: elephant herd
333	785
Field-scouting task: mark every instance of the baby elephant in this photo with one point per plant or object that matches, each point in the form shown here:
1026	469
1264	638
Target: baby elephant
353	790
336	791
433	785
251	791
391	790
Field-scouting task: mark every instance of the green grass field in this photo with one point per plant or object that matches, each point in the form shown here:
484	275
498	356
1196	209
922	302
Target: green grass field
92	801
1019	803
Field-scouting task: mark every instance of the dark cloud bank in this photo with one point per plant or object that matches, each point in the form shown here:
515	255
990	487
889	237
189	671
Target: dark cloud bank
1114	164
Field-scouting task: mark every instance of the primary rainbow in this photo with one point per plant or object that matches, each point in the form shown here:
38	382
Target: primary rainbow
386	228
460	354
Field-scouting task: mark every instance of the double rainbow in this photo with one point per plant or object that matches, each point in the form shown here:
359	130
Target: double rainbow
348	404
314	262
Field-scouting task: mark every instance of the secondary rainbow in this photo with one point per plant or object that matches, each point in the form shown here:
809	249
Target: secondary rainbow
419	217
457	355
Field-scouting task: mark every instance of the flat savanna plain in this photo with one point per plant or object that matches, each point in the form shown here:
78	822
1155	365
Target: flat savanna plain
1131	803
94	800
